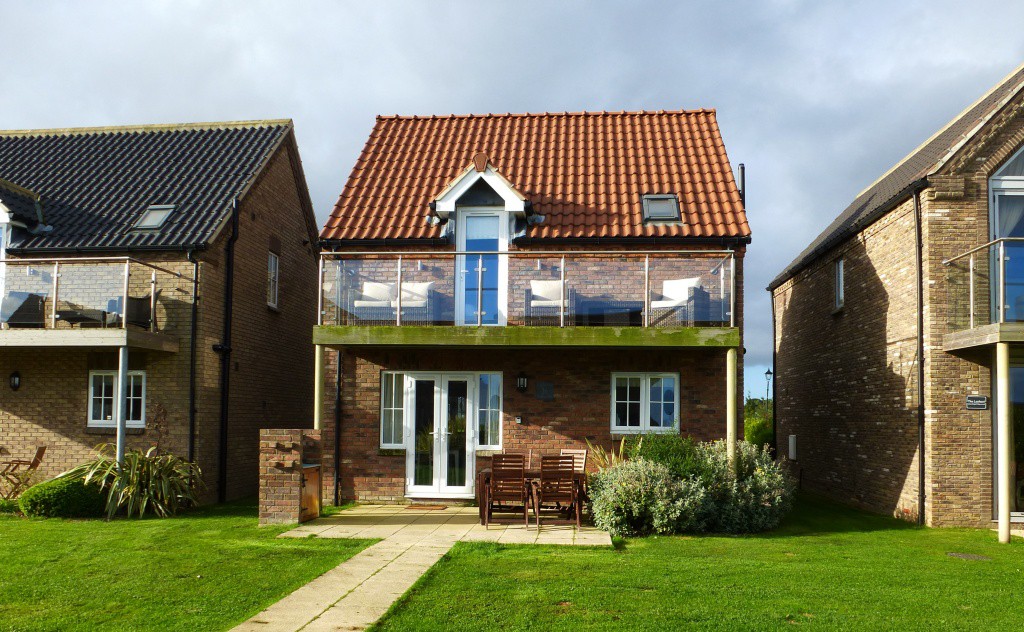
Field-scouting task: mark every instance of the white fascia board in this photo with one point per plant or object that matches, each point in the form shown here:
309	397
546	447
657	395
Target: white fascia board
445	205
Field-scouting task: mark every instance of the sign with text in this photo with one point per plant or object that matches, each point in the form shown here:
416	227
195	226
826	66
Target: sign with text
977	402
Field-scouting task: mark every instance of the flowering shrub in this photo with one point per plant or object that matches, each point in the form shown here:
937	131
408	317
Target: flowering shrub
675	485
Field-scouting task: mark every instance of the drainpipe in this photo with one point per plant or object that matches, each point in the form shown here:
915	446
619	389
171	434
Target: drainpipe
920	360
224	349
194	328
337	429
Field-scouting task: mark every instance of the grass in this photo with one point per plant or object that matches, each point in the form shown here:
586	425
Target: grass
205	570
827	567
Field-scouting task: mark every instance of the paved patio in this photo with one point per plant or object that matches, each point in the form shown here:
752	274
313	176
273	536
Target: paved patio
360	590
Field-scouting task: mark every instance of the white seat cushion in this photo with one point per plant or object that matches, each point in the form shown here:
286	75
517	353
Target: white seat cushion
678	290
546	291
363	303
373	291
668	304
415	294
546	303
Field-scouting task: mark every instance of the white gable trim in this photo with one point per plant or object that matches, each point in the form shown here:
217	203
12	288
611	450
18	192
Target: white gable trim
514	201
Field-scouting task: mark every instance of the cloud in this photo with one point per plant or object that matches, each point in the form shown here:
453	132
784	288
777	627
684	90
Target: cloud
817	99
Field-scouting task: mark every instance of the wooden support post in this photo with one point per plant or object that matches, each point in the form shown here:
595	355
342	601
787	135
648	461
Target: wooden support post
730	405
318	387
1004	440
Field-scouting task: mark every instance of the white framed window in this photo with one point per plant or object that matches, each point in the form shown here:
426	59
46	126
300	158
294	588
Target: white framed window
645	402
488	436
392	410
103	386
840	274
273	267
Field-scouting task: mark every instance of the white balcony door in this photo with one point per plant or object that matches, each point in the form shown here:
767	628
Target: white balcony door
482	279
441	448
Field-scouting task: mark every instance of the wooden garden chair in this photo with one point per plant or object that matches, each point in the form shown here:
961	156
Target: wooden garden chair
18	473
557	486
507	485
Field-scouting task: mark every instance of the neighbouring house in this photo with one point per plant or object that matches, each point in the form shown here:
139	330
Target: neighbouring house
177	260
898	332
525	283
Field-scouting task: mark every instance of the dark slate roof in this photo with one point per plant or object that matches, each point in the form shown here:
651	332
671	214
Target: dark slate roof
20	202
894	186
97	182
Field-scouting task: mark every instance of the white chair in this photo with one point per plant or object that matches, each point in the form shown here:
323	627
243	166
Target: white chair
545	298
374	294
678	296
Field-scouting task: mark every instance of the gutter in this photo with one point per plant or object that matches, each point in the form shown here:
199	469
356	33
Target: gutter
921	489
224	349
194	329
103	249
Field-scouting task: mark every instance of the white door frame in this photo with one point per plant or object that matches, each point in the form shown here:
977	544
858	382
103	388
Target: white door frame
460	264
437	488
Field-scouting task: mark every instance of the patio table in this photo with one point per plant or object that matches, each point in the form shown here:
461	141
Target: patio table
483	477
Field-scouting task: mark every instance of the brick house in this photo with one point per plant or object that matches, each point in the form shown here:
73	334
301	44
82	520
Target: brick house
916	289
525	283
178	261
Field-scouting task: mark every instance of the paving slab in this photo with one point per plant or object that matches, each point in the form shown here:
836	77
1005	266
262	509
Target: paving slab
357	592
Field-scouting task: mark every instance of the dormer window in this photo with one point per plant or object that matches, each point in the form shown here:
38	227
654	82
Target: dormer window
661	208
154	216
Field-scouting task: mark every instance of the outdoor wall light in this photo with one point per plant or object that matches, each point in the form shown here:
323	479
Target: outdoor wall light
521	383
15	381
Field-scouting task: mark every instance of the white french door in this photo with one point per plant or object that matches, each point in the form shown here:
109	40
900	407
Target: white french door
441	443
482	278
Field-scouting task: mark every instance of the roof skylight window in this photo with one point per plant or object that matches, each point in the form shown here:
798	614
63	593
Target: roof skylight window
155	216
661	208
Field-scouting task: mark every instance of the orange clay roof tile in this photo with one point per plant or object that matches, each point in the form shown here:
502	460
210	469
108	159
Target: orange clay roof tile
586	172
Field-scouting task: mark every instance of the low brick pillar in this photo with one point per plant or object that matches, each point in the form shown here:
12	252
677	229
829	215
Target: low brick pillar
283	453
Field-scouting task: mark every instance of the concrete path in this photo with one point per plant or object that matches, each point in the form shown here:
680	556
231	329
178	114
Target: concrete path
357	592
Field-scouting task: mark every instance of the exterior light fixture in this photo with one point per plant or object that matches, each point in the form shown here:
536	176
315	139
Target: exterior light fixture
15	381
767	383
521	382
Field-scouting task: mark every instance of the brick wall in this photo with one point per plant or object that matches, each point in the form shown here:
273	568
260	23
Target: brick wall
281	456
579	411
272	363
846	382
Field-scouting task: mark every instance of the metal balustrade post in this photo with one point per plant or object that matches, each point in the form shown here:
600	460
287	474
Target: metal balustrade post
1002	281
152	301
732	290
479	290
124	296
320	293
56	288
970	284
398	310
561	298
647	290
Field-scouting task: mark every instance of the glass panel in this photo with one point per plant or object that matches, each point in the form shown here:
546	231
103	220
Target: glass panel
662	402
423	455
1013	168
489	410
627	401
480	272
689	291
457	429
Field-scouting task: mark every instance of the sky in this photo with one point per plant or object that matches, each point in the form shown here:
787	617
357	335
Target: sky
817	99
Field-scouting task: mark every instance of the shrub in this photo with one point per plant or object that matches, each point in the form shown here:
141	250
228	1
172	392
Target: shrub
604	459
637	497
63	498
757	429
8	506
149	482
671	484
678	453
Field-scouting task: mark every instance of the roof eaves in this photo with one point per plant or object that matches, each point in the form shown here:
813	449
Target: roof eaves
157	127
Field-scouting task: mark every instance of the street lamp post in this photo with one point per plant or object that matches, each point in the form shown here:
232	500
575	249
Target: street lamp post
767	389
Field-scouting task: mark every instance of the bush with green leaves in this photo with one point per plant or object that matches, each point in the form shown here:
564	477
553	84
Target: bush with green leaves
757	429
9	506
671	484
63	498
149	481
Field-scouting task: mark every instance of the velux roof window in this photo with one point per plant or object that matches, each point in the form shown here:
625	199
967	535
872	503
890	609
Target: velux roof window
155	216
661	208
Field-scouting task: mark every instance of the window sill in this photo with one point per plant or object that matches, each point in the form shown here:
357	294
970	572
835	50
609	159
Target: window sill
390	451
636	431
111	431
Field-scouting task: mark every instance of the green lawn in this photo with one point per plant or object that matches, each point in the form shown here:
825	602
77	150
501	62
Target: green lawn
205	570
827	567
